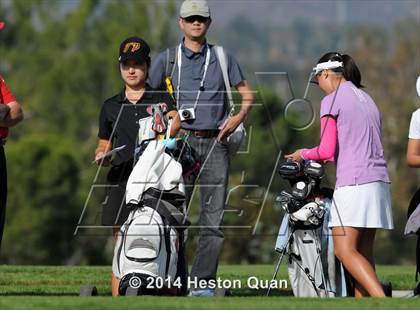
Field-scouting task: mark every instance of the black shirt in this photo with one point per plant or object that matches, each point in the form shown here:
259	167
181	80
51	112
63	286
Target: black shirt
118	121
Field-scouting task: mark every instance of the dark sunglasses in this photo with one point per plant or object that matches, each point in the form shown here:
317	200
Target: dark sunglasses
198	18
314	79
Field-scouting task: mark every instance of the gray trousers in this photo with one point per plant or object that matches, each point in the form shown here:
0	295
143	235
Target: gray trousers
211	184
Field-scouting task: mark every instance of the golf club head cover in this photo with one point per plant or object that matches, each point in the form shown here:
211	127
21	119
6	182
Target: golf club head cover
158	111
304	213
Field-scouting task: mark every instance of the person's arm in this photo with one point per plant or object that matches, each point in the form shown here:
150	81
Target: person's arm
10	111
233	122
104	134
326	149
12	114
238	80
172	114
176	122
103	147
247	98
413	153
413	147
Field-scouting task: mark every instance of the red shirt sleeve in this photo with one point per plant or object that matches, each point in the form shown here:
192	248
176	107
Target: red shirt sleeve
6	95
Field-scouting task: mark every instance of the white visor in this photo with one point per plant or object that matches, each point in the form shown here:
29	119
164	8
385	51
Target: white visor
418	86
327	65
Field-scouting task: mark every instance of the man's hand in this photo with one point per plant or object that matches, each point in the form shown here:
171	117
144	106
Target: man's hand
230	125
233	122
4	111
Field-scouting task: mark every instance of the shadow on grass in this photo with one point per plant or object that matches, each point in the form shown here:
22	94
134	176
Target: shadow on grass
233	293
248	292
31	293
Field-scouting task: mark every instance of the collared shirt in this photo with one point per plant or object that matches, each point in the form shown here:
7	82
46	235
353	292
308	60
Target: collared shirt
212	108
360	154
6	97
118	120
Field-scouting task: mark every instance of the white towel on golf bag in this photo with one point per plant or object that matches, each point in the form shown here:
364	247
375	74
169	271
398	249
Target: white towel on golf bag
155	168
413	223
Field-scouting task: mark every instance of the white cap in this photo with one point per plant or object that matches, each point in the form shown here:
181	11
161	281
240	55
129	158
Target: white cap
418	86
194	7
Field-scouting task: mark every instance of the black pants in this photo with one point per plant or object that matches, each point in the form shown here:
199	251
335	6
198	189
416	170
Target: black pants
3	191
115	211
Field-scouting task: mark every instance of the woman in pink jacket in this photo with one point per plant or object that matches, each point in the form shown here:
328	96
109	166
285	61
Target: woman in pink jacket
351	136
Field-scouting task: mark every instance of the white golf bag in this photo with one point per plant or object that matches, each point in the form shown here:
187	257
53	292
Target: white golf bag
146	253
304	237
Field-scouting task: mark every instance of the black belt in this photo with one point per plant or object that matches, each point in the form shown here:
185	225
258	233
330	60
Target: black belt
201	133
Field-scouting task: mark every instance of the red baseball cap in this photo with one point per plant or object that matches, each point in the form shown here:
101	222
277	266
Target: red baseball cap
2	25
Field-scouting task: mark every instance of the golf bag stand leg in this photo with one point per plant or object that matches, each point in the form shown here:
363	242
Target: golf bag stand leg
283	252
327	287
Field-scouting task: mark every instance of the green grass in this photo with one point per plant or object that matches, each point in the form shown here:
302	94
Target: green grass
39	287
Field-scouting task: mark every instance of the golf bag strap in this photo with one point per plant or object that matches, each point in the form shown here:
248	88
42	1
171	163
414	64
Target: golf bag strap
119	253
171	56
160	207
123	235
165	195
222	59
167	236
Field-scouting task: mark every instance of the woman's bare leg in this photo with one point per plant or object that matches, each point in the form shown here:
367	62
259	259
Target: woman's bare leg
115	283
346	250
365	247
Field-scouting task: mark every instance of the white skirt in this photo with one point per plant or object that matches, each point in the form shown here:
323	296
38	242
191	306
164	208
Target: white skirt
367	205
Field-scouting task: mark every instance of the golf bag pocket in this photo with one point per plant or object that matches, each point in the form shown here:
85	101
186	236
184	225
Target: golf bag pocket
305	265
283	235
146	245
